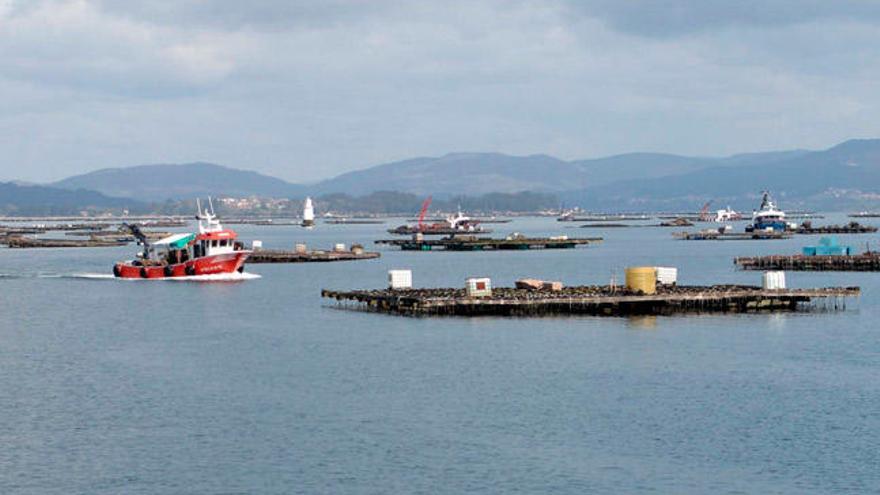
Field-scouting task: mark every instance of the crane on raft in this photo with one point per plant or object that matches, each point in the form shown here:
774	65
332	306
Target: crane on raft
704	212
423	212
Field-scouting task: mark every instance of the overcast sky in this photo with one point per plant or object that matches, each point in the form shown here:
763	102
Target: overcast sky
306	90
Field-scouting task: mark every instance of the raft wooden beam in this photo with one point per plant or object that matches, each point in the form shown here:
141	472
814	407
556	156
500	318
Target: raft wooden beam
117	235
30	242
282	256
469	243
853	228
736	236
589	300
354	221
867	262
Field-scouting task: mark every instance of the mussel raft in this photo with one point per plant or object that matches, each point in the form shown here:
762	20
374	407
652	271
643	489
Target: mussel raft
592	300
866	262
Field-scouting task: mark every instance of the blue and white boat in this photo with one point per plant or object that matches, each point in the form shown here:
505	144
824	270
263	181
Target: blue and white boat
768	217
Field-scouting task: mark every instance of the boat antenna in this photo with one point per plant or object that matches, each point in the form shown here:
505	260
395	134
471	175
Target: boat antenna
765	200
198	208
211	203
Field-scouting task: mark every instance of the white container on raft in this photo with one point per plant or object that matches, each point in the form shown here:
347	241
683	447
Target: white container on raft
479	287
256	245
400	279
666	275
773	280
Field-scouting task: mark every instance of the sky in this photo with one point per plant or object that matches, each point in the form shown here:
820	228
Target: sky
308	90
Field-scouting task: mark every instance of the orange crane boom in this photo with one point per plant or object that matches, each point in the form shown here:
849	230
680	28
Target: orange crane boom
704	211
424	210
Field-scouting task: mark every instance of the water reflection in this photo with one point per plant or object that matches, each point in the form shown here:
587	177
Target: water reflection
642	322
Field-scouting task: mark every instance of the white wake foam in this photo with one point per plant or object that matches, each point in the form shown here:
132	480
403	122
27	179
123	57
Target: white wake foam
97	276
215	277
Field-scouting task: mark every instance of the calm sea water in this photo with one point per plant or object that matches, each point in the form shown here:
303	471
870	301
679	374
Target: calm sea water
261	387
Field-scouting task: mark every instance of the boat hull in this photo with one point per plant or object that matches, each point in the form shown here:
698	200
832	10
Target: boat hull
206	265
776	225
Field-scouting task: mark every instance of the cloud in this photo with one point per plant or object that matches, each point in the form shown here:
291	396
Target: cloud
76	44
306	90
669	18
236	14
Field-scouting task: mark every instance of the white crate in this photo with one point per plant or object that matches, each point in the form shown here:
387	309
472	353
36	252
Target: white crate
400	279
666	275
300	248
774	280
339	248
256	245
479	287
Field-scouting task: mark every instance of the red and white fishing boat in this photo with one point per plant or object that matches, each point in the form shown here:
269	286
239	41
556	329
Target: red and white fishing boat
213	250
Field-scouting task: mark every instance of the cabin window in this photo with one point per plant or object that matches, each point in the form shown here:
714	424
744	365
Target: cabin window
214	243
222	242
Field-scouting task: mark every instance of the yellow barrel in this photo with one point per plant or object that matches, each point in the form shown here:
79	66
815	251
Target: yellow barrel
643	278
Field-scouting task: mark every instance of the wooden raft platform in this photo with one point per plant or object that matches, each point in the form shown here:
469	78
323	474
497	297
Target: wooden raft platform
353	221
469	243
282	256
852	228
589	300
868	262
117	235
738	236
30	242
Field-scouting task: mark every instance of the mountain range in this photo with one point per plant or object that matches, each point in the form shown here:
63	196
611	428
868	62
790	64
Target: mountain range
844	176
179	181
27	199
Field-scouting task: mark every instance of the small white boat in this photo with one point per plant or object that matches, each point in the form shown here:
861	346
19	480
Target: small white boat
308	213
727	215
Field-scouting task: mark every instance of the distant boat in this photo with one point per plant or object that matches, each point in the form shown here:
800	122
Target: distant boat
308	213
768	217
727	215
456	224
